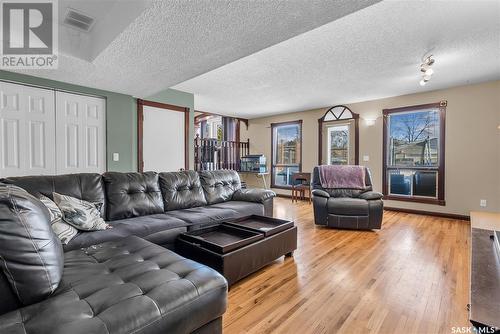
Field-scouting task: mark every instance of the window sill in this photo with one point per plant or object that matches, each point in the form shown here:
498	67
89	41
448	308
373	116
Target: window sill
433	201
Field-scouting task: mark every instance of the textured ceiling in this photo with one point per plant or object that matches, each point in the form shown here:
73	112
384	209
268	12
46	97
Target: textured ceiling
108	25
173	41
372	53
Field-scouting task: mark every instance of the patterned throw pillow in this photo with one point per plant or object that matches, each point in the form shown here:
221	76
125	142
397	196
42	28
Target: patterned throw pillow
64	232
81	214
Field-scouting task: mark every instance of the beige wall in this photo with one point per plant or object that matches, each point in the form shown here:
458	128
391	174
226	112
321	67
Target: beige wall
472	143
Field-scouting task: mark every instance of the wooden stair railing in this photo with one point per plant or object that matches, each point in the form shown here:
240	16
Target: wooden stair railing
212	154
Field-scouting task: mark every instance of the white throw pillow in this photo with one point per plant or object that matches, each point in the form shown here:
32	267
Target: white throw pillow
64	232
81	214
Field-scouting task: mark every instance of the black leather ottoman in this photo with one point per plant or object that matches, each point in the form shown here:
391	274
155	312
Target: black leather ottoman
237	249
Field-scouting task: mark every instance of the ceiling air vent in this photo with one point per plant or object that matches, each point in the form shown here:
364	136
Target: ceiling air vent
78	20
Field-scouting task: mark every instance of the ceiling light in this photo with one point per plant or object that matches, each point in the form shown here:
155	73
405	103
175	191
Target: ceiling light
429	60
426	69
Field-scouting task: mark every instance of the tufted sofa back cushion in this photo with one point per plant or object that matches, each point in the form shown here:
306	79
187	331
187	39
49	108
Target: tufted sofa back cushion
181	190
31	256
132	194
342	192
219	185
86	186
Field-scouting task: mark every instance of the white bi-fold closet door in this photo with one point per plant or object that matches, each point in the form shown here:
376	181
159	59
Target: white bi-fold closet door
80	134
45	132
27	133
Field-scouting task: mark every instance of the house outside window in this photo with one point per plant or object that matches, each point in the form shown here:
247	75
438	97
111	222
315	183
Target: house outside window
286	152
414	144
338	145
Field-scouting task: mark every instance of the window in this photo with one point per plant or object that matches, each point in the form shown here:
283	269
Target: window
214	128
414	153
286	152
338	137
338	145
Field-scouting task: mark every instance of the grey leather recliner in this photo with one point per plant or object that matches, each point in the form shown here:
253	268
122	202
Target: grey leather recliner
347	208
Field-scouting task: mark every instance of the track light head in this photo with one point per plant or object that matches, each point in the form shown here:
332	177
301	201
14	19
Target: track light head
426	69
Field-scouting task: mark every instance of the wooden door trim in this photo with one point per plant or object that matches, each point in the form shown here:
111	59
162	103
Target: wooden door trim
140	129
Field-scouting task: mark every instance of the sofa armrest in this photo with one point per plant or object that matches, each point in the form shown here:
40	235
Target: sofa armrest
370	195
253	195
320	193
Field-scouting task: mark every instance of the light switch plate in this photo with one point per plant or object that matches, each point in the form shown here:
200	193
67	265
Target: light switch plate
366	158
116	156
483	203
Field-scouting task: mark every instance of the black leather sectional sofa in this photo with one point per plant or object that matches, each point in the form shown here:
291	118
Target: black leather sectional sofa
125	279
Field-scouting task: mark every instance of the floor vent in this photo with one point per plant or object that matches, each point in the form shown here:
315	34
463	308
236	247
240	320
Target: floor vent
78	20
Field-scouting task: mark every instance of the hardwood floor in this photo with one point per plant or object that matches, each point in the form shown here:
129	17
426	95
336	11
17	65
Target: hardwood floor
412	276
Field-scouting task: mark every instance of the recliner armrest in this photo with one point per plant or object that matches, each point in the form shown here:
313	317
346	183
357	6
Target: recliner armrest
370	195
253	195
320	193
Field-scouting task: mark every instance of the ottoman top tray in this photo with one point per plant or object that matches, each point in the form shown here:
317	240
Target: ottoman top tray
261	224
222	238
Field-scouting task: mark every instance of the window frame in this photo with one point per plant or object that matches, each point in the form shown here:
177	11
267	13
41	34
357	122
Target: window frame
329	142
321	121
440	199
273	165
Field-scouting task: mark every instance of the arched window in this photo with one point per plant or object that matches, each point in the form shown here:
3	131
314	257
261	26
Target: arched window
338	134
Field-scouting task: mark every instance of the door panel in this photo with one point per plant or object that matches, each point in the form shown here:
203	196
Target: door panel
81	144
92	146
27	131
38	145
10	98
71	146
11	143
163	139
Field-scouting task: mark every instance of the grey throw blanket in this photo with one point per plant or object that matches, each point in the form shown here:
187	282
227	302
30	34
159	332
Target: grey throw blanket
342	176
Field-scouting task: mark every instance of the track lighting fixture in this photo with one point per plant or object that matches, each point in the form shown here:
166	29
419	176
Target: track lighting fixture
426	69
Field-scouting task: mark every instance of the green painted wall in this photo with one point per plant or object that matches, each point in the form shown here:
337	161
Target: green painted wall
121	116
183	99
